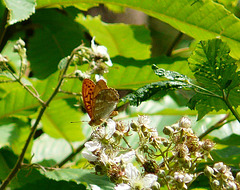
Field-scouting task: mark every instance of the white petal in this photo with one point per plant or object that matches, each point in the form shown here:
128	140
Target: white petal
122	186
89	156
95	187
104	158
127	157
92	145
110	128
149	180
132	172
187	178
109	62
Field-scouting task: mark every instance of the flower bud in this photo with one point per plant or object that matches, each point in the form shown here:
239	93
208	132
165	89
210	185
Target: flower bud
238	177
167	130
208	171
231	185
215	184
207	145
161	173
134	126
185	122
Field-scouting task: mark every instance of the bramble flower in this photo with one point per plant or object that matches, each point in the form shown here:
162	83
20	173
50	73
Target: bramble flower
91	146
183	178
135	180
101	51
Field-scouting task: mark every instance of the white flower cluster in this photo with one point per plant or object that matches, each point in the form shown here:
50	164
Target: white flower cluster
137	168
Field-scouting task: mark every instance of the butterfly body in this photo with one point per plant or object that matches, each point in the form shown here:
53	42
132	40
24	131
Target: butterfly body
99	100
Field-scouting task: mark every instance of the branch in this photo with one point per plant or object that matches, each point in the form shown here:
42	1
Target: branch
19	163
175	43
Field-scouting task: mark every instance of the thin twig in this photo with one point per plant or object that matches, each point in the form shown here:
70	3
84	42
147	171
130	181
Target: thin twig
218	125
175	43
19	163
24	86
229	105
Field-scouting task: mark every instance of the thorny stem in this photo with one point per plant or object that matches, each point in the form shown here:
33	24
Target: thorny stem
163	156
19	163
218	125
229	105
125	140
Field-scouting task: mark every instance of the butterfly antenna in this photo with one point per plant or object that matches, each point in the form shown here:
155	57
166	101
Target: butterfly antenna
77	121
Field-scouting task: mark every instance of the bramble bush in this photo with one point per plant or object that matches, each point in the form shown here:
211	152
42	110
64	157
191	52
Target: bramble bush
176	122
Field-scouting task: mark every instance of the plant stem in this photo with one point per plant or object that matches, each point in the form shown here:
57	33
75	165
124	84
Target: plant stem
175	43
24	86
234	112
218	125
19	163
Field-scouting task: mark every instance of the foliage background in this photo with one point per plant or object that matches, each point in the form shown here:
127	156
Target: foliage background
53	28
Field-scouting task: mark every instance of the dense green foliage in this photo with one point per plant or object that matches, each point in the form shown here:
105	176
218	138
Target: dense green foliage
199	78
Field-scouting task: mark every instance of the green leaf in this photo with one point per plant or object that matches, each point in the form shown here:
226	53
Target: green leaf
199	19
84	6
30	178
17	101
57	121
80	176
128	73
55	37
170	75
45	150
120	39
7	162
153	90
20	10
216	72
213	66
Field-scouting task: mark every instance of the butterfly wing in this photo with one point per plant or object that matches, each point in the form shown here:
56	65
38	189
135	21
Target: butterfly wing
104	104
88	87
101	84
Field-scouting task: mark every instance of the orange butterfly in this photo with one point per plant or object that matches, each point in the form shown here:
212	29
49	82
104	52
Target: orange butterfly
99	100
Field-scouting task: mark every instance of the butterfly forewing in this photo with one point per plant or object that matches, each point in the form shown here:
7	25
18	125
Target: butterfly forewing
101	84
104	103
88	87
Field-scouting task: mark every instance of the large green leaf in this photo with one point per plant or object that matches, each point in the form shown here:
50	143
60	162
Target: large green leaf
120	39
14	133
55	36
128	73
17	101
152	91
46	150
198	19
216	71
20	10
80	176
57	121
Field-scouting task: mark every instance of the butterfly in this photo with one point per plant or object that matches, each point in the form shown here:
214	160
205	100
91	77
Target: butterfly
99	100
